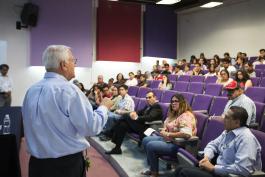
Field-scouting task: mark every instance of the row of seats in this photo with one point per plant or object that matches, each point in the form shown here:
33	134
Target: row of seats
255	93
211	105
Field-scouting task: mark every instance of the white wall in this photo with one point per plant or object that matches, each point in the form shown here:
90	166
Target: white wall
233	28
17	56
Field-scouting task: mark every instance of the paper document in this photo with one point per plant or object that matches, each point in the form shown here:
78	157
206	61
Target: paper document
149	131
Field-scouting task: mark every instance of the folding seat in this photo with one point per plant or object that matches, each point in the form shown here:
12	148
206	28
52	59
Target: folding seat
262	82
252	59
155	83
172	77
202	103
262	67
142	92
261	137
185	78
197	78
213	89
255	81
218	105
210	79
260	108
149	82
181	86
259	72
141	104
196	87
201	122
164	107
136	101
167	95
133	90
256	93
214	127
158	93
188	96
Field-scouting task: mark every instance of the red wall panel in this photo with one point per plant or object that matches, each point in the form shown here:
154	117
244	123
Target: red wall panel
118	31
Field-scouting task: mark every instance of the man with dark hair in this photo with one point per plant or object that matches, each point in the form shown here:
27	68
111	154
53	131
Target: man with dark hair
227	65
237	97
5	86
238	151
135	121
166	70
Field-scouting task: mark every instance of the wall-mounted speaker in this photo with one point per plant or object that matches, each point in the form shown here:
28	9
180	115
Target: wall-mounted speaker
29	14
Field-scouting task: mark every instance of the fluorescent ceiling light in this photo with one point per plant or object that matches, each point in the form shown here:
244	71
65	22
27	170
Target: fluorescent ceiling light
168	1
211	4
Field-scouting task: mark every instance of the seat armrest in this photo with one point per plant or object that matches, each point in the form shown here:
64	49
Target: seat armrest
154	122
201	111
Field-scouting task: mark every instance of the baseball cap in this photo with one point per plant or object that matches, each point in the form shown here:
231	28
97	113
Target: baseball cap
232	85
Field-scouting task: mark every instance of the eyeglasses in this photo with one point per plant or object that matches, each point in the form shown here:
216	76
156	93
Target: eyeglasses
174	101
148	97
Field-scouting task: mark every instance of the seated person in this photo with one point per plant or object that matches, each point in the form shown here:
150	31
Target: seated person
187	70
178	71
243	79
124	106
197	71
237	97
239	152
211	71
106	91
180	123
166	70
132	81
119	80
224	79
142	81
95	96
135	122
165	84
249	69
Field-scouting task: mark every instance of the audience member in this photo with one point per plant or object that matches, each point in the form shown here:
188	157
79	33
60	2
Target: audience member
142	81
261	61
243	79
180	123
187	70
136	122
178	71
237	149
237	97
228	67
197	70
165	84
111	83
138	74
106	92
55	127
115	98
193	60
95	96
211	71
250	69
240	61
119	80
100	82
132	81
224	78
6	85
166	70
203	66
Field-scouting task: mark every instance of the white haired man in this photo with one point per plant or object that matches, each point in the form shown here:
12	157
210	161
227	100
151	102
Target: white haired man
57	116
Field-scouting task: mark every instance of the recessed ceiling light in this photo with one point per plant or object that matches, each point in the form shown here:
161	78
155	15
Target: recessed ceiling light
168	1
211	4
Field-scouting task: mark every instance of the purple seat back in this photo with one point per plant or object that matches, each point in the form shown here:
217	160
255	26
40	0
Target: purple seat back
212	130
262	67
255	81
262	82
141	104
201	121
210	79
252	59
188	96
149	82
196	87
201	102
136	101
197	79
172	77
213	89
259	72
185	78
164	107
218	106
256	93
167	95
261	137
260	108
155	83
133	90
158	93
181	86
142	92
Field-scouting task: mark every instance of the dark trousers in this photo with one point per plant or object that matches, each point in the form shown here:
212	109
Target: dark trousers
123	126
184	171
67	166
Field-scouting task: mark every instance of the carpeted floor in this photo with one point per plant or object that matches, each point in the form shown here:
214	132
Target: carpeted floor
99	166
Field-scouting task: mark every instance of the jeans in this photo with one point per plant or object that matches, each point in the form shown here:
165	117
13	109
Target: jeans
112	118
156	146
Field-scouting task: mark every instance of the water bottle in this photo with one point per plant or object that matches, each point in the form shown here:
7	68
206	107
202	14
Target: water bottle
6	124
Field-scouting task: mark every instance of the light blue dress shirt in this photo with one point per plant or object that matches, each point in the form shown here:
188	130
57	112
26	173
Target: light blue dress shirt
239	152
57	116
